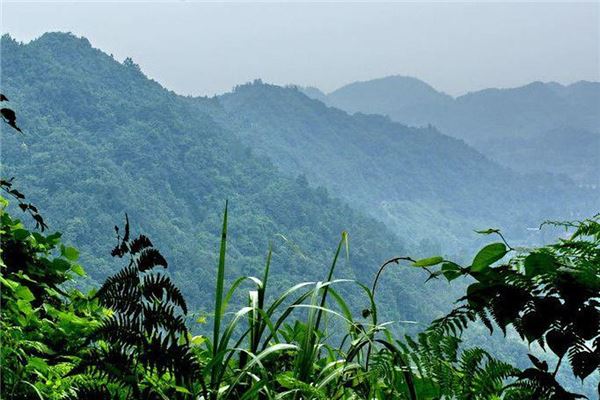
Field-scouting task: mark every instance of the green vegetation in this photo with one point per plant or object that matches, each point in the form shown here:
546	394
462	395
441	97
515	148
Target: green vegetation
45	321
275	334
128	340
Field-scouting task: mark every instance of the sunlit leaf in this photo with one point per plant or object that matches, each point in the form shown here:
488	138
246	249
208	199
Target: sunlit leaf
427	262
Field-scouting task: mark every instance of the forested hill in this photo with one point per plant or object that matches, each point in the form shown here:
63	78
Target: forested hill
422	183
100	140
495	121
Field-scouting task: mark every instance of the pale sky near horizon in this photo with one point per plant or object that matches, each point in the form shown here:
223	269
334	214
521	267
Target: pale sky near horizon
201	48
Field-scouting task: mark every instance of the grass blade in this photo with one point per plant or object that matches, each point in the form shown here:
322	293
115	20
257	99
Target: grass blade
219	292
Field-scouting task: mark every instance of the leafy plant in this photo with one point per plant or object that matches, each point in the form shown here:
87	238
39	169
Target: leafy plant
144	343
8	115
445	371
548	295
44	320
283	349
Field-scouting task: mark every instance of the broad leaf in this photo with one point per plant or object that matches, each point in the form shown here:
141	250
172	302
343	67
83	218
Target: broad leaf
487	256
428	262
70	253
451	271
559	342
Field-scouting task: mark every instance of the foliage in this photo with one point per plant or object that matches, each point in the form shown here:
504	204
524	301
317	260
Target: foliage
127	341
549	295
45	321
288	348
443	371
143	340
284	349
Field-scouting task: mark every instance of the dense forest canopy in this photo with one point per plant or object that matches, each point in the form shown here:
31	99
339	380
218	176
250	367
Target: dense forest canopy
108	139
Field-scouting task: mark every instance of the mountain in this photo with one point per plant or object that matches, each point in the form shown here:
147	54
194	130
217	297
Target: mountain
313	93
524	111
566	150
398	97
494	121
423	184
101	140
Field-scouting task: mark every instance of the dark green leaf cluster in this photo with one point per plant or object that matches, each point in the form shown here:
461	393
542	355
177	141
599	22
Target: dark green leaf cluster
145	335
445	371
549	295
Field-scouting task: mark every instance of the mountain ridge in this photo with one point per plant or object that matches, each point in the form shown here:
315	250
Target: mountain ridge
381	165
490	119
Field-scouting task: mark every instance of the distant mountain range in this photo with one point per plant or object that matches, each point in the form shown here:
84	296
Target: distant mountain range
422	183
524	128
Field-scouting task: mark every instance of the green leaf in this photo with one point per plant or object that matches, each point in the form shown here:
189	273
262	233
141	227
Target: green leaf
451	270
60	264
78	269
70	253
25	308
20	234
286	380
197	340
538	263
476	294
24	293
487	256
9	283
428	262
559	341
38	364
488	231
181	389
220	288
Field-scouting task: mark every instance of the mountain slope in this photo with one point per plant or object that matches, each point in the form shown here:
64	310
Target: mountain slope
566	150
423	184
398	97
524	111
492	120
101	140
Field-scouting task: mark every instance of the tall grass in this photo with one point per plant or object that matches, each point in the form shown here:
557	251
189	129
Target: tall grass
282	350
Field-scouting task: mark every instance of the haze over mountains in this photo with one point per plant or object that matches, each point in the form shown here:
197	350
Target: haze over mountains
525	128
420	182
101	139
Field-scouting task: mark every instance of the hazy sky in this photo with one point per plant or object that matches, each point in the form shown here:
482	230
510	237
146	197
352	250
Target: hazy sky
206	48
